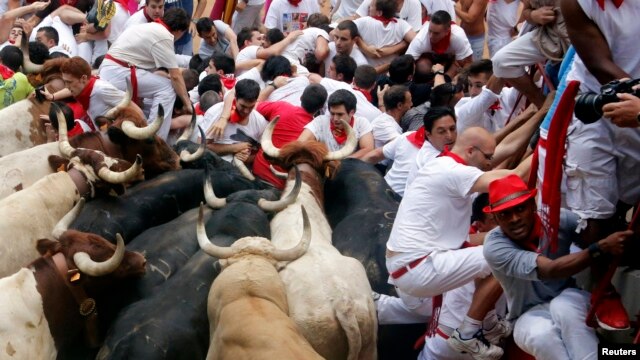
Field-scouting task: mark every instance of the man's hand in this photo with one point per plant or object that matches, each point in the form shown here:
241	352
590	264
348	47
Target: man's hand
381	91
216	130
624	113
437	67
240	6
40	5
26	26
192	29
294	34
243	155
280	81
614	243
543	15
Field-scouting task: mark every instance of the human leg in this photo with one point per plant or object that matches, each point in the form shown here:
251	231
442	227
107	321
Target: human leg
477	46
404	309
535	333
568	312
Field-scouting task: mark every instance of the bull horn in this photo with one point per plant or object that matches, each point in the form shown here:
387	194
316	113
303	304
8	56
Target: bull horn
27	65
300	249
63	224
279	174
189	130
244	170
134	132
63	141
349	146
186	156
291	197
209	195
126	100
114	177
206	245
267	145
87	266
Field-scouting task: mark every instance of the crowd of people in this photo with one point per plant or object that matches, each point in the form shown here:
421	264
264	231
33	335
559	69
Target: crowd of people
466	107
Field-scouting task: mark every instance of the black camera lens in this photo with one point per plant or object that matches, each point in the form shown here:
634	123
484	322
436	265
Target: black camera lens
588	107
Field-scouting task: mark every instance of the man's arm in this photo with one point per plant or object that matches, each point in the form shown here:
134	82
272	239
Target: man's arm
624	113
571	264
322	49
177	81
365	143
474	13
227	149
590	44
278	48
197	14
232	38
374	156
248	64
306	135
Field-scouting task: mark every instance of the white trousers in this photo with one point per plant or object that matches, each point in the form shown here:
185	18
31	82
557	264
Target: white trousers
556	330
496	43
405	309
511	60
150	86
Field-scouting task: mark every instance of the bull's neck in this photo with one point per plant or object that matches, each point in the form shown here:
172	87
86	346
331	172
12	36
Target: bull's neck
81	182
314	180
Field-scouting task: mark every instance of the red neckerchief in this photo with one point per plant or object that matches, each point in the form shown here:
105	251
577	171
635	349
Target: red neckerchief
364	92
235	117
159	21
85	94
146	16
417	138
340	135
495	106
295	2
198	110
77	129
534	238
5	72
125	4
442	45
617	3
229	81
384	20
455	157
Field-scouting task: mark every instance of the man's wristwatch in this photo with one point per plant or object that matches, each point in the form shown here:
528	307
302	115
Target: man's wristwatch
594	250
271	83
439	72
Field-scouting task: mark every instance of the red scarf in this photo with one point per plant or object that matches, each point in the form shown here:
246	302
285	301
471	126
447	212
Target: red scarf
159	21
454	156
384	20
364	92
85	95
340	135
146	16
235	117
198	110
125	5
77	129
495	106
229	81
5	72
442	45
617	3
295	2
417	138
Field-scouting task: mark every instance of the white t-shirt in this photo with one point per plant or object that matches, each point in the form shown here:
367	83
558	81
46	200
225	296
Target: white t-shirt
118	22
136	19
356	54
364	108
291	92
321	129
458	46
435	212
476	111
410	12
66	40
426	153
374	33
436	5
403	154
148	46
286	17
305	43
246	54
103	98
501	18
347	8
385	128
254	128
222	45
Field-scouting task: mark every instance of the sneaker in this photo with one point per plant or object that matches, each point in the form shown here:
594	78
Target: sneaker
478	347
501	330
101	14
375	296
611	314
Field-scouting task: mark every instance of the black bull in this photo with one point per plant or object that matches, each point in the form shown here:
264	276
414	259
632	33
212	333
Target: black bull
361	207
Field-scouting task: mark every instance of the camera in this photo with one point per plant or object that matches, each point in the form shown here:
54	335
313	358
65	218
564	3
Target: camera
588	107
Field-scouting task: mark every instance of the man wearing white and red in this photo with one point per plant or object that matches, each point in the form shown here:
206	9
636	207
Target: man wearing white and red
600	156
152	10
140	50
548	310
425	252
290	15
292	122
330	130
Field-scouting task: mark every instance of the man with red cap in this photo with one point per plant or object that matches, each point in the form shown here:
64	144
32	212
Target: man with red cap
548	310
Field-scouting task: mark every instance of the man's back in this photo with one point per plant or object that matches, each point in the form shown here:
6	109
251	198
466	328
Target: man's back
147	46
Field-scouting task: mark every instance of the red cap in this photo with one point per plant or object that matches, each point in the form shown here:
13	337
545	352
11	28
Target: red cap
507	192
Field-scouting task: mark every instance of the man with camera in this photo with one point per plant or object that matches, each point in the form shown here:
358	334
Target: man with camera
602	159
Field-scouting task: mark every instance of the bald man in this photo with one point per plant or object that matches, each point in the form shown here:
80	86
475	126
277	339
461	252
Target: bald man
429	250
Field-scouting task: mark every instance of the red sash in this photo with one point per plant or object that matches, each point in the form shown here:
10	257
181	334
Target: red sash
85	95
417	138
617	3
134	77
340	135
5	72
384	20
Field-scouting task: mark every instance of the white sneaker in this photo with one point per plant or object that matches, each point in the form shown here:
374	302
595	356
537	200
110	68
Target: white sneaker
501	330
478	347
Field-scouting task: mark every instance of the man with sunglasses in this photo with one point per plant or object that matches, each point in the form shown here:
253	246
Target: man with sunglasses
430	252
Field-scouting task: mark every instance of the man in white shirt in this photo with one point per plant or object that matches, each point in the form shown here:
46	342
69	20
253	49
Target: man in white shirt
140	50
216	37
344	43
313	40
290	15
252	48
153	9
436	5
342	68
330	130
386	127
408	10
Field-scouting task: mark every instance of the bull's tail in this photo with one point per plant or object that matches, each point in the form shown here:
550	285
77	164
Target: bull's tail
346	316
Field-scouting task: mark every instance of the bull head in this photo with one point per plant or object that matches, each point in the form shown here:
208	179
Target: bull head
134	132
237	248
186	156
87	266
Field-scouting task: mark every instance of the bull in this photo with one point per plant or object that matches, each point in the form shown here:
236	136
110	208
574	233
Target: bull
54	303
333	311
247	305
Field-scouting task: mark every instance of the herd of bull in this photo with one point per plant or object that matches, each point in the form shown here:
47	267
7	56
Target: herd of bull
255	275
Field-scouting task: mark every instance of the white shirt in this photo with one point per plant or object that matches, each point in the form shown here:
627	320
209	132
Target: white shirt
254	75
136	19
476	111
254	128
435	212
222	45
436	5
426	153
458	46
403	154
286	17
303	44
364	108
321	129
356	54
385	128
347	8
374	33
291	92
148	46
501	18
103	98
411	12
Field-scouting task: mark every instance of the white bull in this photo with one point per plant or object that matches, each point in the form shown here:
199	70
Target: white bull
21	127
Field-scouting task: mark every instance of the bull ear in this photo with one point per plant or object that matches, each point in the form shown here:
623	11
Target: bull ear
58	163
48	247
116	135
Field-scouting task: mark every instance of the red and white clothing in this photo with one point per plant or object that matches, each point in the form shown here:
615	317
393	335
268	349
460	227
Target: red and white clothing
321	129
139	17
426	153
385	128
118	22
488	110
254	75
288	17
292	121
291	92
303	44
403	153
356	54
502	17
66	40
247	53
410	12
436	5
103	97
459	45
364	108
376	34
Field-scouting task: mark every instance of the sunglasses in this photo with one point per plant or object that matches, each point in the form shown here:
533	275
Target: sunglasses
486	156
